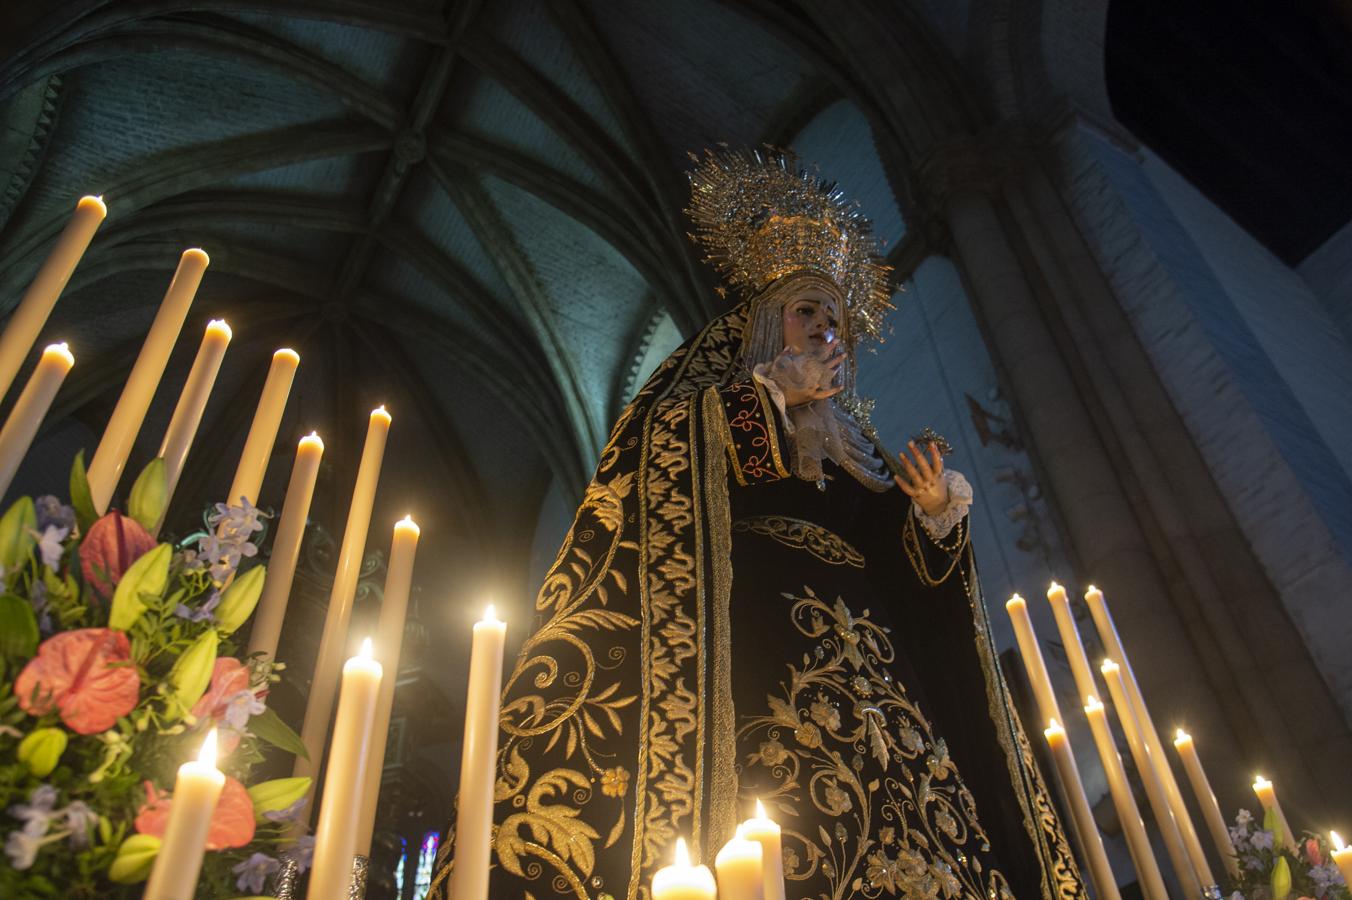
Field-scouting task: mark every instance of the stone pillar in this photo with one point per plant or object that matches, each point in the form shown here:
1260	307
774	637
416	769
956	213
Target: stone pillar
1081	479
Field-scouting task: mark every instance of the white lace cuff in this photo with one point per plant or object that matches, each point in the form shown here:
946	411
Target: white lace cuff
776	395
959	500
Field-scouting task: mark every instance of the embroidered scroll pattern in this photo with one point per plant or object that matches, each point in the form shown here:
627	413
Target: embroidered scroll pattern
826	545
845	738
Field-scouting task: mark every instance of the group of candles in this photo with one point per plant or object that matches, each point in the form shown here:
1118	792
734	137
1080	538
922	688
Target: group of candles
365	695
750	866
1179	836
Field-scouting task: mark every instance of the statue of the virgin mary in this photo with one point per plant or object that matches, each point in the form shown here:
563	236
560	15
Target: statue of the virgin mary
756	601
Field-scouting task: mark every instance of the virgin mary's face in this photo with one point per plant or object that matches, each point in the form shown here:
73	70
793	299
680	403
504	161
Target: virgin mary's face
810	320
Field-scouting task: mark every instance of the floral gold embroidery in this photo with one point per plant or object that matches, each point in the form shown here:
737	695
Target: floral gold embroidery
826	545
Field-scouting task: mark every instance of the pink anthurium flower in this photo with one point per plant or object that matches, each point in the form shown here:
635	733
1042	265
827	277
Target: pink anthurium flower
113	543
85	674
232	824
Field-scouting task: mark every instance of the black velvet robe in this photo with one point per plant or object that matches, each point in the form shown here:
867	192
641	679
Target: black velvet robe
716	630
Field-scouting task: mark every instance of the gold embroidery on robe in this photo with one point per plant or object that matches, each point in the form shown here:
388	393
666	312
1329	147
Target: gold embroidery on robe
826	545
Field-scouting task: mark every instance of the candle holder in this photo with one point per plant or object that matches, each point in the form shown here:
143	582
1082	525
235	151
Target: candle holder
356	889
287	880
1212	892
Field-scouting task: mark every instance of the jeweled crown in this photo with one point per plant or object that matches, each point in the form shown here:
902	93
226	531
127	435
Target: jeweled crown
761	215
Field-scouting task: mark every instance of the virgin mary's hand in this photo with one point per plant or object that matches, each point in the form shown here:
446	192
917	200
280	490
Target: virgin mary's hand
806	376
924	479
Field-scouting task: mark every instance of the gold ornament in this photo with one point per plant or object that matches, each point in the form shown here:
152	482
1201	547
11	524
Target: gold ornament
761	215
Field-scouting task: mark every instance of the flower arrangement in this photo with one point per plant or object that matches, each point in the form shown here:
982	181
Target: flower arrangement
1268	870
116	656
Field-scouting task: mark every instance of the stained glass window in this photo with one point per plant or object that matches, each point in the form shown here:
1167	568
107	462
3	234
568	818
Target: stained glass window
399	868
422	882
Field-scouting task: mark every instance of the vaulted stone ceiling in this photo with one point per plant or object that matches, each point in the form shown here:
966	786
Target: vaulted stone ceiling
470	211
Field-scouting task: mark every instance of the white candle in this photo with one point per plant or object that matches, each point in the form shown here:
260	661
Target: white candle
267	626
739	870
682	881
315	729
765	831
1342	856
1150	780
1098	609
196	790
1206	799
349	755
1267	795
389	640
111	456
1100	870
30	409
253	460
1138	842
478	761
31	314
192	402
1031	655
1070	639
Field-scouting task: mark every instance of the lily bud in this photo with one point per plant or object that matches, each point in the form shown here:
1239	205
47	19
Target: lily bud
149	494
41	750
134	858
148	575
191	673
277	795
1281	879
239	600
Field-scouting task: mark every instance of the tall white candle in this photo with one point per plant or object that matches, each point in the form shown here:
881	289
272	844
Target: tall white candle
1148	771
105	470
738	867
1031	654
267	625
179	862
192	402
1342	856
32	312
478	761
680	880
1267	795
349	755
253	460
764	830
1103	620
1206	799
1138	842
1070	639
1105	885
30	409
389	641
315	729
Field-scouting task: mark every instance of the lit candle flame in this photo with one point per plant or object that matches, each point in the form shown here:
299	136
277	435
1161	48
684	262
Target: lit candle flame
222	326
366	651
760	810
1337	841
490	615
682	853
1180	736
1091	703
1054	586
1259	782
207	755
1108	666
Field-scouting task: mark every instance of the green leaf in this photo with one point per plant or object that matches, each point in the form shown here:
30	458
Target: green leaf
268	726
148	495
148	575
18	627
16	533
80	497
